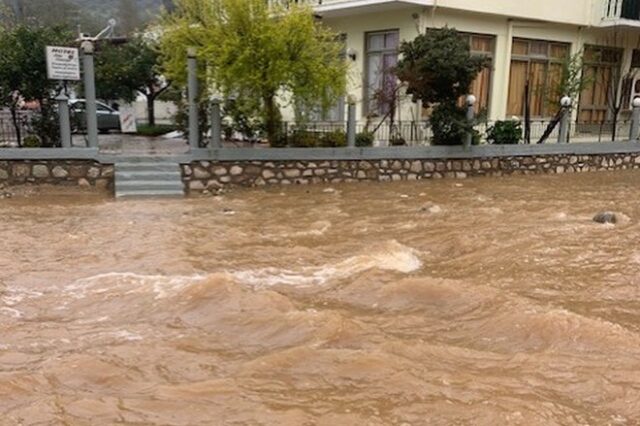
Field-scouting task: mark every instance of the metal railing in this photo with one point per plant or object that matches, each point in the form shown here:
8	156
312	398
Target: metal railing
419	133
8	134
622	9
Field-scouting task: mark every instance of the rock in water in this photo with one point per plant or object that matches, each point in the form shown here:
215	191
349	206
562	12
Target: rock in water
605	217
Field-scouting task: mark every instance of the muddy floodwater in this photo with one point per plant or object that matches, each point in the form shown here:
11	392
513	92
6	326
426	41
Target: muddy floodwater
478	302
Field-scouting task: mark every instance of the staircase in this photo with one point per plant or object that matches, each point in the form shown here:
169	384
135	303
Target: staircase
148	179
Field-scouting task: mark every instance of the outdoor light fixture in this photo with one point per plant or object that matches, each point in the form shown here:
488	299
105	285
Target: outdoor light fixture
636	102
471	100
565	102
191	52
352	54
87	47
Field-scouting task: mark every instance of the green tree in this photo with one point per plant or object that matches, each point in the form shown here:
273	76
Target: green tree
571	81
437	69
23	70
264	56
125	70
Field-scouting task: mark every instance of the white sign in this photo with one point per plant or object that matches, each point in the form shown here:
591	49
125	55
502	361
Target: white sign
128	119
63	63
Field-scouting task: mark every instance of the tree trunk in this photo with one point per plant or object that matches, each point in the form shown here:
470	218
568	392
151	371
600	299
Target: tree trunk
551	126
151	110
16	124
271	119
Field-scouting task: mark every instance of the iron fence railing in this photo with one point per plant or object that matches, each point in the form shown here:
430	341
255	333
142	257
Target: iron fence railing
419	133
8	134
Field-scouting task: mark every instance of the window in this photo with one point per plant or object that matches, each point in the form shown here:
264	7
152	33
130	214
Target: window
482	45
335	113
602	74
538	65
380	82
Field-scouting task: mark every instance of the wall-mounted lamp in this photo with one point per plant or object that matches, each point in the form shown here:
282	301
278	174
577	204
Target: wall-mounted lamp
352	54
566	102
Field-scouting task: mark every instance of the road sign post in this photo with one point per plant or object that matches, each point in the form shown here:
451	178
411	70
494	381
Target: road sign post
63	64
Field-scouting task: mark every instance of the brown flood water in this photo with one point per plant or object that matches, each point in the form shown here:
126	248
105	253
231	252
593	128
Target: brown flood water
501	302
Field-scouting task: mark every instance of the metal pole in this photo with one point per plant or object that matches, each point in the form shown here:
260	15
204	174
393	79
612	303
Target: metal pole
563	133
216	126
634	131
471	115
18	10
63	119
90	94
351	124
192	91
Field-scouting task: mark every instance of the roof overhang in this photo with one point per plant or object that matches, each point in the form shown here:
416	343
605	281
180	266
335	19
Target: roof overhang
338	8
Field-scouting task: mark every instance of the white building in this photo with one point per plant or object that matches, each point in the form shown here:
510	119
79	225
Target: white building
524	40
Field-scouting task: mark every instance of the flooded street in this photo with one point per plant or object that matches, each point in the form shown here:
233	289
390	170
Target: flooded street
479	302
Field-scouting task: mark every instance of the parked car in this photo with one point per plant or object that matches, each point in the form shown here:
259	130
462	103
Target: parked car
108	118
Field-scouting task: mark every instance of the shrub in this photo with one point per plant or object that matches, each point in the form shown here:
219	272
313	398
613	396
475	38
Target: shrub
31	141
181	117
397	140
449	124
157	130
364	139
304	139
334	139
46	127
280	141
508	132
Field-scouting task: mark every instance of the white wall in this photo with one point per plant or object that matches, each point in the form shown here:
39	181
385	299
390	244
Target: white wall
569	17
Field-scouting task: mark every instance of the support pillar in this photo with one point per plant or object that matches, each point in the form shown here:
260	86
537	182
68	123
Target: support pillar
63	119
634	131
471	116
216	125
192	92
351	124
90	94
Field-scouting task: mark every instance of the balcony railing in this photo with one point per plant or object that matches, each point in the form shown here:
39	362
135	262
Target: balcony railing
622	9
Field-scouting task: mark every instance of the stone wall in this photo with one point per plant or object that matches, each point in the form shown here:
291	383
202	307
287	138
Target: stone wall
57	172
202	176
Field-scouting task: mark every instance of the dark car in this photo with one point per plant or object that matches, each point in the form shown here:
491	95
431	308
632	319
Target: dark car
108	118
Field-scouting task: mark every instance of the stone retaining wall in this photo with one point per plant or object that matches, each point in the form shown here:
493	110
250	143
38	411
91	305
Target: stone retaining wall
202	176
57	172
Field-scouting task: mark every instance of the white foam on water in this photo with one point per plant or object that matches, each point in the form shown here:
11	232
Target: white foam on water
13	313
13	295
390	256
128	283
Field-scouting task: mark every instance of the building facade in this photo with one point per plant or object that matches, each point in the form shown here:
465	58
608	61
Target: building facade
526	41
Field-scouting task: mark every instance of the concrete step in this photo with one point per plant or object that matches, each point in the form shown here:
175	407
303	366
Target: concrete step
148	175
135	179
149	185
147	167
155	193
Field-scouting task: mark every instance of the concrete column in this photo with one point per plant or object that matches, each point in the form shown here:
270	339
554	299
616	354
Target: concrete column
565	120
192	92
63	119
351	124
634	130
90	94
216	125
471	115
